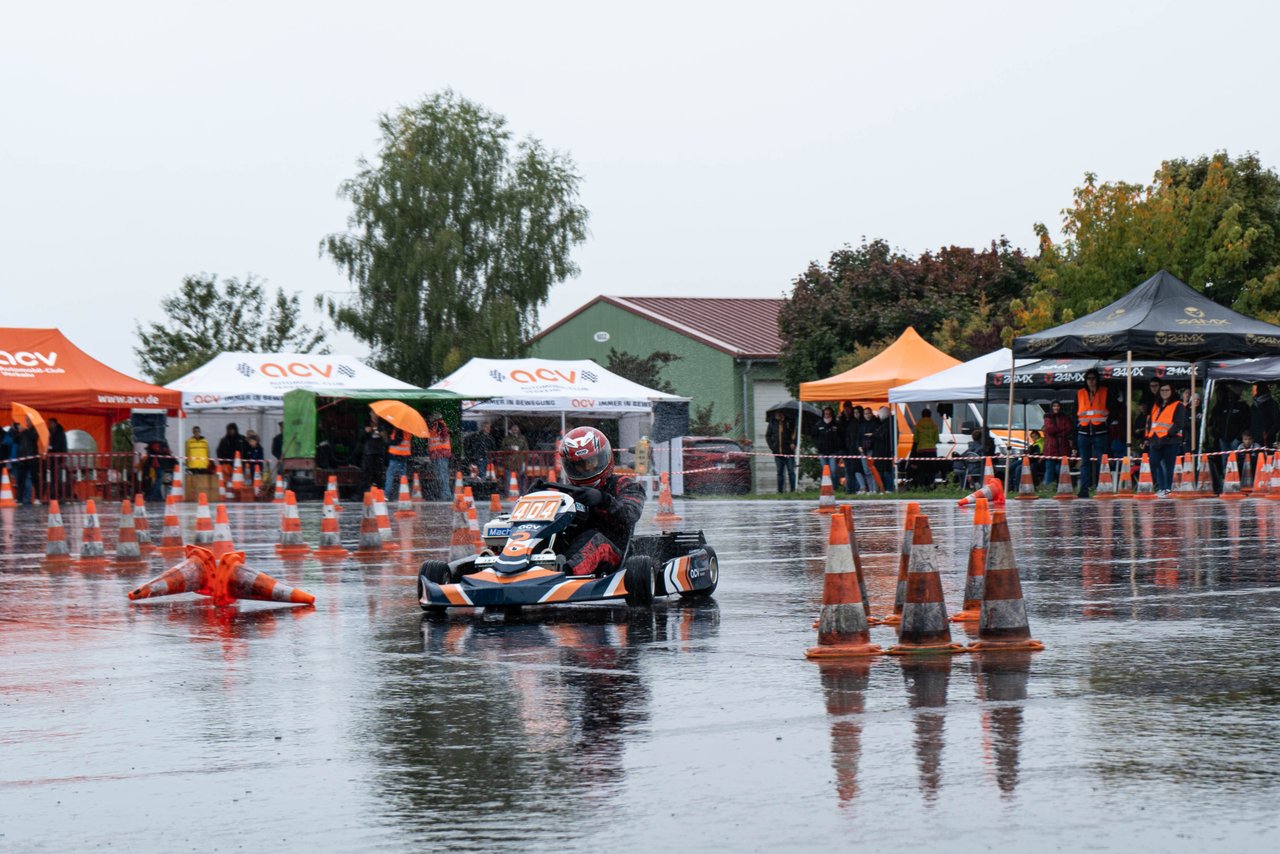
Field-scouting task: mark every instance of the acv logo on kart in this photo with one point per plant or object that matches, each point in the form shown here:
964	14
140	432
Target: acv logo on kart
27	359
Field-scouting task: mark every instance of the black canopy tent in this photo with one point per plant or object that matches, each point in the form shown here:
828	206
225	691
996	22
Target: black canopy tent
1049	379
1162	318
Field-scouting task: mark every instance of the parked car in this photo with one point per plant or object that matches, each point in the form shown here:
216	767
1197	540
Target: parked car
715	464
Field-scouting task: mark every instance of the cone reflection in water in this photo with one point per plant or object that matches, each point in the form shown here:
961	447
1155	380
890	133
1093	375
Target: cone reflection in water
926	679
1004	615
844	685
925	629
842	627
56	549
1003	680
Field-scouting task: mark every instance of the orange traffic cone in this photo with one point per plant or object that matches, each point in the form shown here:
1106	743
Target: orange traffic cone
460	543
924	614
142	525
175	487
992	490
513	487
257	486
6	489
666	505
972	607
404	501
489	473
384	519
1262	480
185	577
457	482
988	470
1204	482
1125	489
1246	474
127	550
171	530
91	550
842	627
1146	486
495	503
416	494
204	522
1186	488
1027	482
1065	492
370	542
847	511
291	542
221	533
330	535
1231	480
237	478
826	493
904	561
278	498
473	529
1106	480
331	488
1003	625
1273	492
223	495
224	578
56	550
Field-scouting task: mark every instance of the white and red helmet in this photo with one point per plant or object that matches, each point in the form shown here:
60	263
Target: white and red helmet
586	456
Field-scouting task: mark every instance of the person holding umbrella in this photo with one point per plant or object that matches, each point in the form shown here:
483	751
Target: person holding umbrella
781	439
405	422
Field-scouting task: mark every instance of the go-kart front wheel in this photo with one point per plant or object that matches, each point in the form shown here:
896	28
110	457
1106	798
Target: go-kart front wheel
638	577
435	571
713	571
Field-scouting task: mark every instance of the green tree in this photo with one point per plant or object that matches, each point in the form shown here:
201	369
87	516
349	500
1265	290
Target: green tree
208	316
455	238
704	423
645	370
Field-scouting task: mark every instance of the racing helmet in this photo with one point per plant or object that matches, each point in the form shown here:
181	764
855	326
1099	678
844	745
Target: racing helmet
587	456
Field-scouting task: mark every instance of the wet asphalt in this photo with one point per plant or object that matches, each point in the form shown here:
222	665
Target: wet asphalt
1148	723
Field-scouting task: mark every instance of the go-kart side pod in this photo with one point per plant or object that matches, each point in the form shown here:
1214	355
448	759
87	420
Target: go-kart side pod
535	586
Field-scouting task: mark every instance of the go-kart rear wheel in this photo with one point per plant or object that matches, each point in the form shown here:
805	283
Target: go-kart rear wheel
713	569
638	577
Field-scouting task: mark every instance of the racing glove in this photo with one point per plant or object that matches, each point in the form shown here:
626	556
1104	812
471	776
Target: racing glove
591	497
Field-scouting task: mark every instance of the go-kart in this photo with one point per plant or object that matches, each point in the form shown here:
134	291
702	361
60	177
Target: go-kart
523	562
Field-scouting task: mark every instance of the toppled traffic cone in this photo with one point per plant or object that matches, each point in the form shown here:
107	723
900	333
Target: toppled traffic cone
384	519
222	543
224	579
1003	625
1065	492
204	522
370	542
904	561
142	525
1106	480
826	493
91	549
1125	489
666	505
842	627
1027	482
992	490
56	550
291	542
988	469
1231	480
127	550
460	545
1146	486
971	609
513	487
330	535
171	529
404	501
6	489
925	629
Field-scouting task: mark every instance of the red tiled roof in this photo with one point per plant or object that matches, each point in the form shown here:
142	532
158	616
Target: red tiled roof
743	327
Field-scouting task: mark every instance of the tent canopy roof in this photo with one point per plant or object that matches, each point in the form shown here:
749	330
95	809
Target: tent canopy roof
549	386
965	381
43	369
1162	318
250	381
905	360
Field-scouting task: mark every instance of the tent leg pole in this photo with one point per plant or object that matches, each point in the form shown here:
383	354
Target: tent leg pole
799	425
1128	404
1193	408
1008	439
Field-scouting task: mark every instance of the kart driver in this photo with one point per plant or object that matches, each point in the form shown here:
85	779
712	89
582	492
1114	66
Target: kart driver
614	503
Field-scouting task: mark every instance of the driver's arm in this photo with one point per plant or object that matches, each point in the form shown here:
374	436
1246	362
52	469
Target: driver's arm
628	504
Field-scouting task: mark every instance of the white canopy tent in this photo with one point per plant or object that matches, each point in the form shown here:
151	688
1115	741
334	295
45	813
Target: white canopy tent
249	389
966	381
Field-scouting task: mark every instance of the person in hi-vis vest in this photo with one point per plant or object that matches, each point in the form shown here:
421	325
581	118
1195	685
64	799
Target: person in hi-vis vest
1094	413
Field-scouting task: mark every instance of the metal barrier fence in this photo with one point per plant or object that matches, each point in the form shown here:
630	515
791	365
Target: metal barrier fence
76	476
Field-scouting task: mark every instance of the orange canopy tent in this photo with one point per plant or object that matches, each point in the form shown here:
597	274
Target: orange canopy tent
43	370
906	360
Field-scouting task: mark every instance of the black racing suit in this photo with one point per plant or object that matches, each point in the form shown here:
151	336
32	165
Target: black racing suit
599	546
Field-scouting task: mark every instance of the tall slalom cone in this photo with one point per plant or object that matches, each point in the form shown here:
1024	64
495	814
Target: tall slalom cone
204	522
221	544
826	493
1246	474
988	469
225	579
925	630
142	525
1004	615
1204	479
847	511
1262	480
1186	488
1125	487
1231	480
91	549
513	487
971	610
1146	486
666	505
457	482
330	535
904	561
1106	480
6	489
384	519
278	498
370	542
1273	492
1027	482
256	490
473	528
238	487
223	495
416	494
176	488
404	501
842	627
171	529
460	545
56	550
127	550
992	490
1065	492
495	503
291	542
331	488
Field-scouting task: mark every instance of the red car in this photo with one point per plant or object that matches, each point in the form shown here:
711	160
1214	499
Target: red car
714	464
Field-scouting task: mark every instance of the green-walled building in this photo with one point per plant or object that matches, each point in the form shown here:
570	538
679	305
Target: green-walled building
728	351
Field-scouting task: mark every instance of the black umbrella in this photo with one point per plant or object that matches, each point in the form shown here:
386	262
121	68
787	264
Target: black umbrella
812	414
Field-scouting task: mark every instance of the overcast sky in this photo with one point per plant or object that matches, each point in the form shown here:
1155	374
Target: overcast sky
722	147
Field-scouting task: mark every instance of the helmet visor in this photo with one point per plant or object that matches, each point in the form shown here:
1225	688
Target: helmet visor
587	465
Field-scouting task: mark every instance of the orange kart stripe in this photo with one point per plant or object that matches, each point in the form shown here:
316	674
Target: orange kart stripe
684	574
562	592
493	577
454	595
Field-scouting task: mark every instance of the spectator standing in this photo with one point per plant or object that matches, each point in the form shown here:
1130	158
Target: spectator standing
228	446
865	441
440	450
514	440
780	436
197	452
57	459
253	458
478	447
882	448
1164	437
158	464
399	450
28	488
851	446
372	447
828	442
9	450
277	443
1093	415
1057	441
1264	416
924	441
